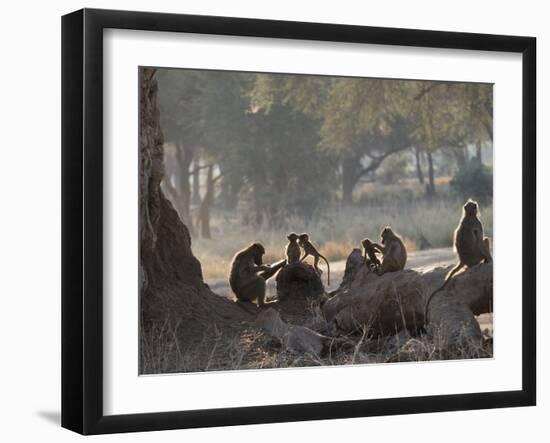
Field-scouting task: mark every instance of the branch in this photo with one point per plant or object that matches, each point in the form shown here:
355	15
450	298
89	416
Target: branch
428	89
376	161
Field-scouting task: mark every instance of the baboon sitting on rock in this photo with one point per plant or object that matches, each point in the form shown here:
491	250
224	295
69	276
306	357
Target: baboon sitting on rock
248	274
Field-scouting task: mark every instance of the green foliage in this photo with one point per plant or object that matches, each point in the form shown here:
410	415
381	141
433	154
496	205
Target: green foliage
181	106
475	180
286	144
284	172
264	147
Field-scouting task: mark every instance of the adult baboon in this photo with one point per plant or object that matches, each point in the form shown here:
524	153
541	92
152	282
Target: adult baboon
292	249
370	250
248	275
394	253
309	249
469	243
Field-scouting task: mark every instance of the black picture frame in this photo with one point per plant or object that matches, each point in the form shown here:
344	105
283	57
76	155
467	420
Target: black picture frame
82	219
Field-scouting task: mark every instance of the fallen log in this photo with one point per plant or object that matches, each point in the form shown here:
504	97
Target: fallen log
387	304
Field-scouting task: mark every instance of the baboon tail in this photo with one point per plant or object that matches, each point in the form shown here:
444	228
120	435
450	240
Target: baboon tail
447	279
427	305
328	269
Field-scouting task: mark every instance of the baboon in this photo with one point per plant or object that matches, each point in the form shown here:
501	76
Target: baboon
469	243
248	275
370	249
394	253
292	249
309	249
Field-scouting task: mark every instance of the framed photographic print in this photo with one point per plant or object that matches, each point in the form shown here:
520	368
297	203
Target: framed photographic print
269	221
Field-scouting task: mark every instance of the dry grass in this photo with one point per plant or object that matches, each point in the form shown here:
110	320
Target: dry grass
335	251
252	349
255	350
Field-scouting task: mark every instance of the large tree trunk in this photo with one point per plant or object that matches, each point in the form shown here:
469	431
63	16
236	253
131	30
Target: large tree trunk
430	187
350	177
478	151
172	290
184	155
203	219
176	184
461	156
196	197
419	172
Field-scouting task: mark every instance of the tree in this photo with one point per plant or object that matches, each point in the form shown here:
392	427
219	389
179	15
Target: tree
172	290
365	120
360	124
179	102
203	218
449	115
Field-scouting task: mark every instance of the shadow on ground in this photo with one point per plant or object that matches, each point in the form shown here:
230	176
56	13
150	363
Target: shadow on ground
54	417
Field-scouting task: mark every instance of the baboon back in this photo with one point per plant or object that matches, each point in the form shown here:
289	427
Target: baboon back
467	241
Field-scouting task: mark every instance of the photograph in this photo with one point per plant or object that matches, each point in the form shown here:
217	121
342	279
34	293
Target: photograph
299	220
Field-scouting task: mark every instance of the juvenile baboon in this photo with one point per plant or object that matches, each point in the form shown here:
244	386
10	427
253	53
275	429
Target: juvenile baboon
394	253
292	249
248	275
469	243
370	250
309	249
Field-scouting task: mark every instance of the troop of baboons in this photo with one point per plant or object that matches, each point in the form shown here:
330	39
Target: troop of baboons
248	274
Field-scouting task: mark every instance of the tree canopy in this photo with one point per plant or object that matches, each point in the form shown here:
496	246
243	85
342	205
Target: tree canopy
286	144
